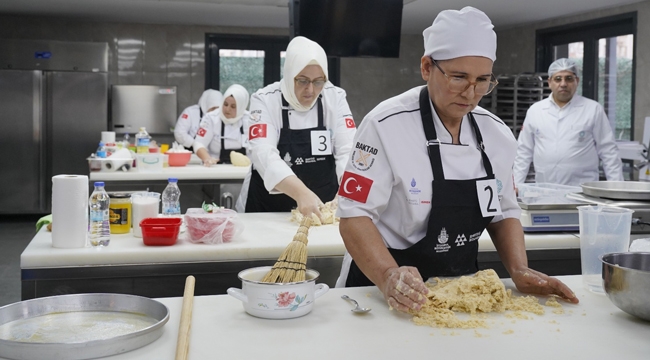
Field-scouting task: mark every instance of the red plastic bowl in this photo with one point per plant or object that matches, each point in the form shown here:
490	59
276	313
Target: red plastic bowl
179	159
160	231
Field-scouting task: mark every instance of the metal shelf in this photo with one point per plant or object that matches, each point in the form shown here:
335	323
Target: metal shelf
514	95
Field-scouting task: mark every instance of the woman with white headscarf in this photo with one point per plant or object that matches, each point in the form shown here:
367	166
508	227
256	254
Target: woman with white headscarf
300	136
224	130
431	170
188	122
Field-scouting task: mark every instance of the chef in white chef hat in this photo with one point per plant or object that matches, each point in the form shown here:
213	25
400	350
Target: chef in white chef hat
300	136
440	176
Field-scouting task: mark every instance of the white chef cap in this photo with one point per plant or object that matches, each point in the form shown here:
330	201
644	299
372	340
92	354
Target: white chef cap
453	34
562	64
240	94
300	53
209	99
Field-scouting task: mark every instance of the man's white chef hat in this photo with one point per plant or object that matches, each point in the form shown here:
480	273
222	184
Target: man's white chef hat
562	64
453	34
209	99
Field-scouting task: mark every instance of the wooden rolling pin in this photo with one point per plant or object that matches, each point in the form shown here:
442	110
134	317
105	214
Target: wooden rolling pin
183	343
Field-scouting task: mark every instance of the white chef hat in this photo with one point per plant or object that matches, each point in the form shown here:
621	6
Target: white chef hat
562	64
240	94
209	99
453	34
300	53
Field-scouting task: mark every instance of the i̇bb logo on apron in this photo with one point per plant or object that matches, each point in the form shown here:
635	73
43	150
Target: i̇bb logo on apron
201	132
257	131
349	123
355	187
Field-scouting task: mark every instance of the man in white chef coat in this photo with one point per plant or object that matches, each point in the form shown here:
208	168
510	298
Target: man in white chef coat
565	134
430	171
188	122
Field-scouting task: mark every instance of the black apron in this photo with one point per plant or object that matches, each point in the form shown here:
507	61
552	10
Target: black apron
318	173
224	154
450	246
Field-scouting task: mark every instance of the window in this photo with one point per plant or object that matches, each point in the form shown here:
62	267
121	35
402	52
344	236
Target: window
604	51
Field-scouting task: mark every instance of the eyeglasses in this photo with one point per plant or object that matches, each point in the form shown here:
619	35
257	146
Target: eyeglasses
568	79
304	82
459	84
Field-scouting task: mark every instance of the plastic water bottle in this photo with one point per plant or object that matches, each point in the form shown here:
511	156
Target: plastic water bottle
171	205
142	140
100	231
101	151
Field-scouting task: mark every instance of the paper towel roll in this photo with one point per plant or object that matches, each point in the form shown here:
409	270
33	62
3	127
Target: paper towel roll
108	137
69	211
119	160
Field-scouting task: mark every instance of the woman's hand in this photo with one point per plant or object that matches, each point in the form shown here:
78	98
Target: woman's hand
404	289
209	162
308	203
534	282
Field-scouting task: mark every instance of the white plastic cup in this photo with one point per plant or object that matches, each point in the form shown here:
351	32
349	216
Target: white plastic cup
603	230
108	137
143	205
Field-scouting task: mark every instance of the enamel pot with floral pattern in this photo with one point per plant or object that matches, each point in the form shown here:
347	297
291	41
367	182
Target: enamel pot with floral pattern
277	301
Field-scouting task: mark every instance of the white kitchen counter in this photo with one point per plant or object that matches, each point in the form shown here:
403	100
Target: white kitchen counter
188	172
220	329
265	236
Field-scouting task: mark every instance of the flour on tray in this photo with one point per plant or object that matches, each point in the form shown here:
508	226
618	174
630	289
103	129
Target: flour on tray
476	295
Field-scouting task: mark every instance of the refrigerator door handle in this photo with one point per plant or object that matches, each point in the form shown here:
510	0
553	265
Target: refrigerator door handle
39	138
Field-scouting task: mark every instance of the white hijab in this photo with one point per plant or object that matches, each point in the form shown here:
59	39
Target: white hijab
240	94
209	99
300	53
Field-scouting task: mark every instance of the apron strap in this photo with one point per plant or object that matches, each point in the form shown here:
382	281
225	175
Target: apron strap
200	113
285	113
433	144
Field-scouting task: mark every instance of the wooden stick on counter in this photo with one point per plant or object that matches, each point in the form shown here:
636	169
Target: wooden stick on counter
183	344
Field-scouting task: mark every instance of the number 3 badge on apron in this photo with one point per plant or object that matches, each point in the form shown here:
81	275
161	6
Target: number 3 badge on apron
321	142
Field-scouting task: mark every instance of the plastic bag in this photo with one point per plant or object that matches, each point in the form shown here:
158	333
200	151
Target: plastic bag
217	227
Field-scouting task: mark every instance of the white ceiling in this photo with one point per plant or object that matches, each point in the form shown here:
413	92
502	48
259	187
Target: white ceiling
417	14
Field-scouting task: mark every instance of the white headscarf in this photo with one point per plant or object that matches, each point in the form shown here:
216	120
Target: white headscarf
454	34
240	94
300	53
209	99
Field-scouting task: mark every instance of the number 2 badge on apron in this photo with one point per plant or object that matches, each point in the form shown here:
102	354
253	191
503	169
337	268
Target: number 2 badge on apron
488	197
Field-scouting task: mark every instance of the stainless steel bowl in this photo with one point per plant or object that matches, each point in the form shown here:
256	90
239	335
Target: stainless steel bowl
626	279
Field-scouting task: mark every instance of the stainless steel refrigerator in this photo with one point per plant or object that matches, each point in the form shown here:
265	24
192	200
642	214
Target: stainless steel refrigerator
53	108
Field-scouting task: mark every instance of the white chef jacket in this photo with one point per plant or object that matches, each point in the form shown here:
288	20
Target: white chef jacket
390	150
187	125
565	143
209	134
266	108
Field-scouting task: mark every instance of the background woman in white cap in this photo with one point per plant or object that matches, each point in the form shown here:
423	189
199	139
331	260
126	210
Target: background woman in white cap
188	122
430	171
225	129
300	136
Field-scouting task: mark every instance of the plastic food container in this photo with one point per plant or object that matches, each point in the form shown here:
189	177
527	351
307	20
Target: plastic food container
178	158
217	227
160	231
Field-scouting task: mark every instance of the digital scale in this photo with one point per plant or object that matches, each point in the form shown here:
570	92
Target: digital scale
549	217
552	208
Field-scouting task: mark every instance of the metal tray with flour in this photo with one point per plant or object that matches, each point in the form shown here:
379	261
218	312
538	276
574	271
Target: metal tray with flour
618	190
79	326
